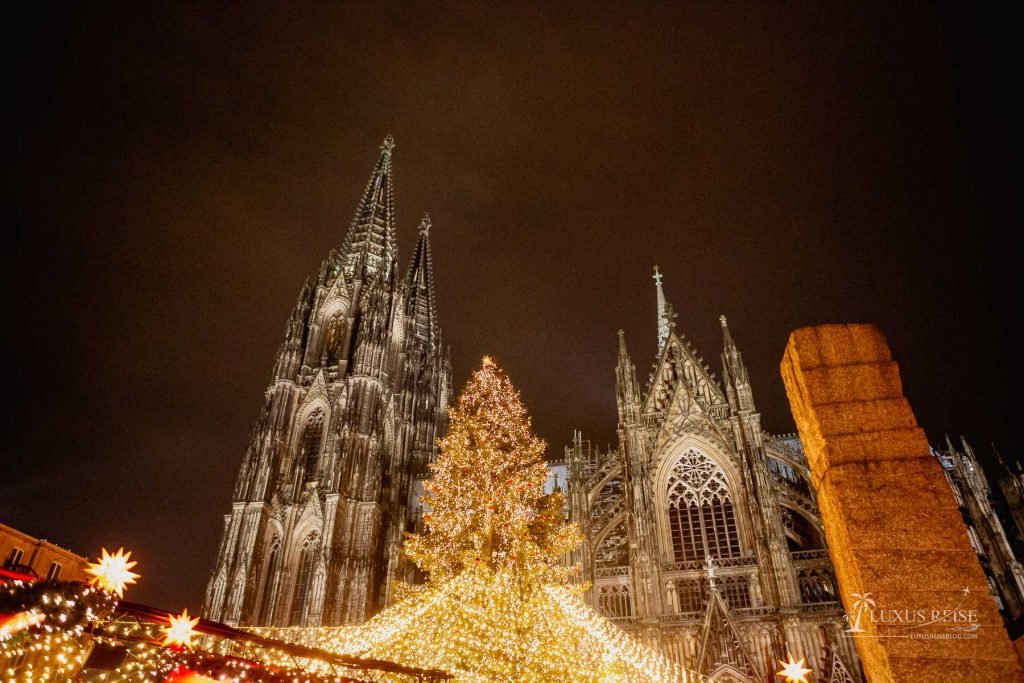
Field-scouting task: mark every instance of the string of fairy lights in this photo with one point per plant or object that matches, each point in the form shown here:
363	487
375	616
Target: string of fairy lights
498	605
49	630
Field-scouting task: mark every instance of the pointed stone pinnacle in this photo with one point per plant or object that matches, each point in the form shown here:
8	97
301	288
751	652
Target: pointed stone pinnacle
425	224
387	145
721	319
657	275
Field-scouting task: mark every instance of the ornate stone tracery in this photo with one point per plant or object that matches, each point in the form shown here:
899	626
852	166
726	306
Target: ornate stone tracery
612	550
700	510
615	600
306	562
312	441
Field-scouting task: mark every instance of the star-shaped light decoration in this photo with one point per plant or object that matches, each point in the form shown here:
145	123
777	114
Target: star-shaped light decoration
488	362
793	671
113	572
181	630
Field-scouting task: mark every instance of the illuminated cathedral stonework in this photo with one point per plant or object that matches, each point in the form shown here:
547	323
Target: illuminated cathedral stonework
701	532
357	400
702	535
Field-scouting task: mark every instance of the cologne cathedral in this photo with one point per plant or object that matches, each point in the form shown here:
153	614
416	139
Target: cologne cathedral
702	536
701	533
357	399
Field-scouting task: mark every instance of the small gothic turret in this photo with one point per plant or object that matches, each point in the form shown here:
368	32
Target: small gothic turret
419	282
734	374
627	388
664	317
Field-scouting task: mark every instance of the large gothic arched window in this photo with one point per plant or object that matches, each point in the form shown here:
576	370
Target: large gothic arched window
334	337
307	556
270	585
700	511
312	437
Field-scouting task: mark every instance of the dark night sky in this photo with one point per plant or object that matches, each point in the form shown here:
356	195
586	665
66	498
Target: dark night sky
174	174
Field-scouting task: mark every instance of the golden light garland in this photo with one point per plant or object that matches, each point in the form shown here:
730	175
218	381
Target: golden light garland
50	628
46	640
15	623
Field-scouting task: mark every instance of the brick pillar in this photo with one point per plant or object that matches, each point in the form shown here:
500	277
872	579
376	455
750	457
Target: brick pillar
892	524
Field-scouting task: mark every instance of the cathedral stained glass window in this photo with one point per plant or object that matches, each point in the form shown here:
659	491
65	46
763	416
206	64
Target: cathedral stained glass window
700	511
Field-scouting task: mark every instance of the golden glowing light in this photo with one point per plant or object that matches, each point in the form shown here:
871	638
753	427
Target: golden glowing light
498	604
793	671
181	630
13	623
113	572
188	677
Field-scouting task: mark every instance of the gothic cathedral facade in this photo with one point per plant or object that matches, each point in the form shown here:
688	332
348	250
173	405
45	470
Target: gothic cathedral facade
701	532
357	400
702	535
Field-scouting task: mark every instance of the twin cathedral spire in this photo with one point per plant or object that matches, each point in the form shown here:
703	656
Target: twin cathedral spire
358	398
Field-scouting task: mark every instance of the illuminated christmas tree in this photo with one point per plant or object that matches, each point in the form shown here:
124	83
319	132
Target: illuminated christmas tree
485	501
497	605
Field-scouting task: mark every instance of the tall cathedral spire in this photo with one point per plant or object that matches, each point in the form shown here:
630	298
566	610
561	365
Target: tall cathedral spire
421	306
663	313
350	419
369	246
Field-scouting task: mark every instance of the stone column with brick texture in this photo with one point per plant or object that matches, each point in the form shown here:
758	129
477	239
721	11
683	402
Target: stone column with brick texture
891	521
